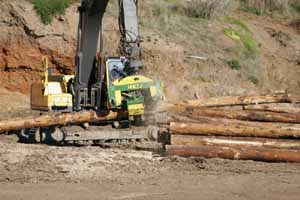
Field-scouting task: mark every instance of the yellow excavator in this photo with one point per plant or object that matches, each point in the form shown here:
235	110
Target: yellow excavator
52	93
100	83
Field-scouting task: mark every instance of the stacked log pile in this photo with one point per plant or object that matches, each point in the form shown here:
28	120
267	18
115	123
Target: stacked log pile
262	128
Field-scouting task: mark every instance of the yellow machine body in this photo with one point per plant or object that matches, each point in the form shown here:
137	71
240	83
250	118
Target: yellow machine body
51	94
130	92
123	92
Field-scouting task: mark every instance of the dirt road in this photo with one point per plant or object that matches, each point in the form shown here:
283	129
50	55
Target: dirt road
34	172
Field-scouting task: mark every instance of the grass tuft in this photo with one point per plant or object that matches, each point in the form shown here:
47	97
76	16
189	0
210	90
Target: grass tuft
47	9
237	22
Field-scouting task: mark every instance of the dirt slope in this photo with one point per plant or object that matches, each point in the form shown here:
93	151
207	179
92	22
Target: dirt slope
23	41
170	39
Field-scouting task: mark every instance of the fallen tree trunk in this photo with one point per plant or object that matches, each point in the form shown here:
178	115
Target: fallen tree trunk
234	130
192	140
245	115
55	120
239	100
272	108
258	154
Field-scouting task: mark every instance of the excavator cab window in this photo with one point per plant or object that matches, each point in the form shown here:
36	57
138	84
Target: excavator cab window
116	70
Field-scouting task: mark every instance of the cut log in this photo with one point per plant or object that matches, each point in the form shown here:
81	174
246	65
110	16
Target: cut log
239	100
186	118
273	108
55	120
234	130
210	120
245	115
256	154
172	117
192	140
224	101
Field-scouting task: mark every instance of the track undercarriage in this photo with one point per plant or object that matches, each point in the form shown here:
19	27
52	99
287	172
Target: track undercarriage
114	132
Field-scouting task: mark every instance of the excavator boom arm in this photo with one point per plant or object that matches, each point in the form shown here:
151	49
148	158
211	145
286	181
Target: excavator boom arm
88	77
130	36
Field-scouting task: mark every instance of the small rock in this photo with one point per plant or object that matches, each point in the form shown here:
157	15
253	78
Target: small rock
61	19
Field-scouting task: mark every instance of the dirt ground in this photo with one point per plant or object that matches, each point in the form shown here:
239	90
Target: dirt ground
31	171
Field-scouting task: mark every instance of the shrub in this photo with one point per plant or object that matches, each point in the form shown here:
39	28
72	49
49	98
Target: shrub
253	79
206	9
260	7
47	9
249	43
295	5
234	64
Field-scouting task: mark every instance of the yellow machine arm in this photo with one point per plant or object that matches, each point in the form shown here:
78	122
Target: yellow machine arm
45	63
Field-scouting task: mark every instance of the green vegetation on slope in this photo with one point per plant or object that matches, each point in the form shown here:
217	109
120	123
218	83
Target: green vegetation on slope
263	7
247	57
237	22
241	33
47	9
193	8
296	6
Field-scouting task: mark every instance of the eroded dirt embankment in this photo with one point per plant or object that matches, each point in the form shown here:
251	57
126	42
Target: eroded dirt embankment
24	40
